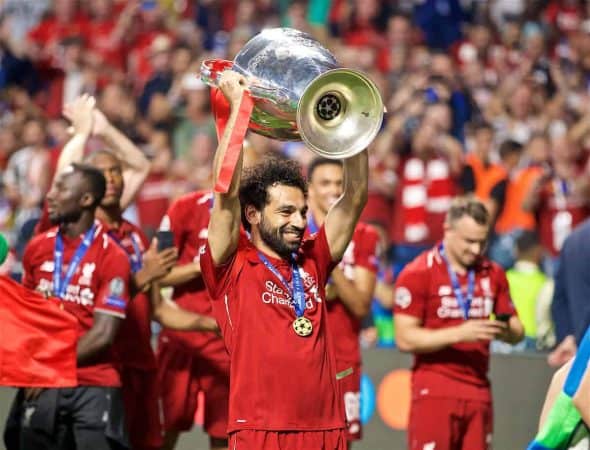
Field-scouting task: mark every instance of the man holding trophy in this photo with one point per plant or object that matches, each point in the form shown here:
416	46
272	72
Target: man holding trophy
268	289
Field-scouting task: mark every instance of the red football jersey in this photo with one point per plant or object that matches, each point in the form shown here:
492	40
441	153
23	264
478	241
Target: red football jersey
424	290
278	380
133	346
558	215
188	219
100	283
342	325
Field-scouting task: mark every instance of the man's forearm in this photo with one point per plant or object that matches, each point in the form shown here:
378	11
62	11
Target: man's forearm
91	345
72	151
422	340
356	180
181	274
129	154
171	316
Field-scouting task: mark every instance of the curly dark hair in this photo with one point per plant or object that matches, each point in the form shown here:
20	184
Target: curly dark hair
256	181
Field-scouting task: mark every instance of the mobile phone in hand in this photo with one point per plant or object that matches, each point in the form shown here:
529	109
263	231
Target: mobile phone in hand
165	240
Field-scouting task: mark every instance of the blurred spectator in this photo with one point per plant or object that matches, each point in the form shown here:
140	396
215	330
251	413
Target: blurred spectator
149	26
27	180
194	116
440	21
559	198
22	15
482	176
394	54
426	185
70	79
109	29
43	41
514	218
160	78
531	291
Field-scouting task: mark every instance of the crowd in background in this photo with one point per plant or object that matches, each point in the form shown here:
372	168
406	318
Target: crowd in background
483	97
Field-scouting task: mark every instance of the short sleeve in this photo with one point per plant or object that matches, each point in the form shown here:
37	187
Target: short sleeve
503	304
411	294
217	278
113	291
367	251
175	221
317	249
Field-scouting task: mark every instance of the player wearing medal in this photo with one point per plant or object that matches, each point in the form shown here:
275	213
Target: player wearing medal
80	264
269	298
148	264
444	301
350	289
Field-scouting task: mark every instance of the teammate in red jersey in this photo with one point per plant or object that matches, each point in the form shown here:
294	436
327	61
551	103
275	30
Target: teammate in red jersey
269	299
149	265
192	363
444	301
78	263
350	290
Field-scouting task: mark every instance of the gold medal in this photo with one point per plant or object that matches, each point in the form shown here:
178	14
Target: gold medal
302	326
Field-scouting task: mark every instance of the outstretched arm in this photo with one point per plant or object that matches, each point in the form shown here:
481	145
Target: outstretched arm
224	225
343	216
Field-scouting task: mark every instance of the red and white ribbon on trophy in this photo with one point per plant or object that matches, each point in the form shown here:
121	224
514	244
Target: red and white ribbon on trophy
221	112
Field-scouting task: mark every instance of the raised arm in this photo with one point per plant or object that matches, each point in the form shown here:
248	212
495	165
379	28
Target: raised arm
224	225
88	121
136	167
79	113
343	216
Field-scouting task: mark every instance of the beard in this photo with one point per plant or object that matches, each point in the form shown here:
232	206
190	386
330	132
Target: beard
57	218
274	238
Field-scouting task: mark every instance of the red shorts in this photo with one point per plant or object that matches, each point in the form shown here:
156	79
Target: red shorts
287	440
450	424
142	408
350	387
182	375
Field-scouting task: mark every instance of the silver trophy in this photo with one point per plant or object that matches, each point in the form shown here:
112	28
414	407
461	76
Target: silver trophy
300	93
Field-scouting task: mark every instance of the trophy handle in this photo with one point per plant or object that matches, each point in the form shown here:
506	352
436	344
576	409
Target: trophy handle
211	71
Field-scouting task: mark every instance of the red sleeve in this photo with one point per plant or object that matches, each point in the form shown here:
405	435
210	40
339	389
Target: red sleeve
503	303
39	34
367	249
317	249
177	222
411	293
115	277
218	278
27	280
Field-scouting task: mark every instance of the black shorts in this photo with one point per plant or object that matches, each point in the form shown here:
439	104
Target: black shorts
82	418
